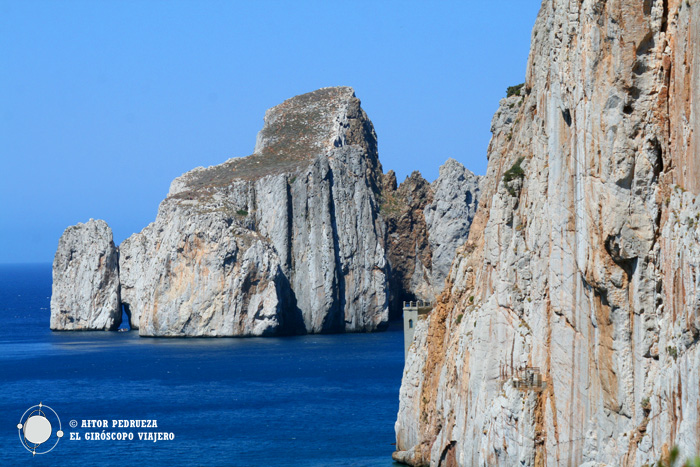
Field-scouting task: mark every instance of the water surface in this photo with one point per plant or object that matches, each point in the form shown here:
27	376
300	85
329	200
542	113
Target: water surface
298	401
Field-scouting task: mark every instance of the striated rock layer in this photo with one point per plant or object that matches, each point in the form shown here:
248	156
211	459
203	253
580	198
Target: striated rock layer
426	223
582	260
287	240
85	290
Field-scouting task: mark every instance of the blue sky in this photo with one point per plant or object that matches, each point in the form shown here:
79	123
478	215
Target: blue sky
103	103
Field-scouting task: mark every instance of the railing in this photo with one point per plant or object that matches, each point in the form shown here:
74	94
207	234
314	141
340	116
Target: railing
418	304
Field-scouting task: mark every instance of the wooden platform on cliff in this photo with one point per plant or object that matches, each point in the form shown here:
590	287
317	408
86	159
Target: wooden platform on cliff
524	378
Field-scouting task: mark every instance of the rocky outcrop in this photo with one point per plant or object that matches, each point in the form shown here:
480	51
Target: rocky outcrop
449	216
286	240
408	246
581	262
291	239
85	291
426	223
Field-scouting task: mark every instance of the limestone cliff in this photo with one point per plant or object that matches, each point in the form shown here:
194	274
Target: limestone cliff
286	240
426	223
291	239
582	259
85	290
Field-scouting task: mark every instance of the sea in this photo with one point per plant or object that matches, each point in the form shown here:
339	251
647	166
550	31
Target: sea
316	400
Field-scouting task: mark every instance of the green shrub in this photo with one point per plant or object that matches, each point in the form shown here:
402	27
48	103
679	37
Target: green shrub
672	459
459	318
515	172
242	212
514	90
391	205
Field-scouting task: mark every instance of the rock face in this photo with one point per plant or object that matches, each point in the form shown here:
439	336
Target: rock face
449	217
201	276
85	292
426	223
581	261
286	240
408	246
291	238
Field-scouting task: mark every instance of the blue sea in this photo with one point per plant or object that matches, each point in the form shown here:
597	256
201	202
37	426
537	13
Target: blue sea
296	401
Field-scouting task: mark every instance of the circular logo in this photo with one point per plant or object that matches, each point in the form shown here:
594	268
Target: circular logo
35	429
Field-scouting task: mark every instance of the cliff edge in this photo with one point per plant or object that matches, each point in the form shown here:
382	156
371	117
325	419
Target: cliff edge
568	331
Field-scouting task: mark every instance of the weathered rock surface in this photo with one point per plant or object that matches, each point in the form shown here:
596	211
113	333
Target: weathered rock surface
85	291
286	240
449	217
201	276
290	239
408	247
581	260
426	223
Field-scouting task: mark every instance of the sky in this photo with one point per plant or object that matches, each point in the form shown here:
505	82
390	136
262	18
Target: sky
104	103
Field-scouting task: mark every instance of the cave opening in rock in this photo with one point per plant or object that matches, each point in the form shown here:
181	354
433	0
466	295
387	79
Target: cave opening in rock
126	318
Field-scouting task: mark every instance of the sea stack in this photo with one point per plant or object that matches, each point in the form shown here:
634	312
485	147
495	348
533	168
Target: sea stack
85	291
302	236
287	240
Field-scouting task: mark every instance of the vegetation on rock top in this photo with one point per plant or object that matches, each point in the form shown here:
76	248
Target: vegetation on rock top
514	90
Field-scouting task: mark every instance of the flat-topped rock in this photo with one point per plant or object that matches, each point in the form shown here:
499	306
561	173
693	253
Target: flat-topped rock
292	231
295	133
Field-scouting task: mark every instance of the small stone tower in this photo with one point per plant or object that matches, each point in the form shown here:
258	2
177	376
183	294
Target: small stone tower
412	312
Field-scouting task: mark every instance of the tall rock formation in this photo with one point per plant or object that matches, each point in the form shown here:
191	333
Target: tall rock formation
408	247
582	259
426	223
286	240
449	217
292	239
85	290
